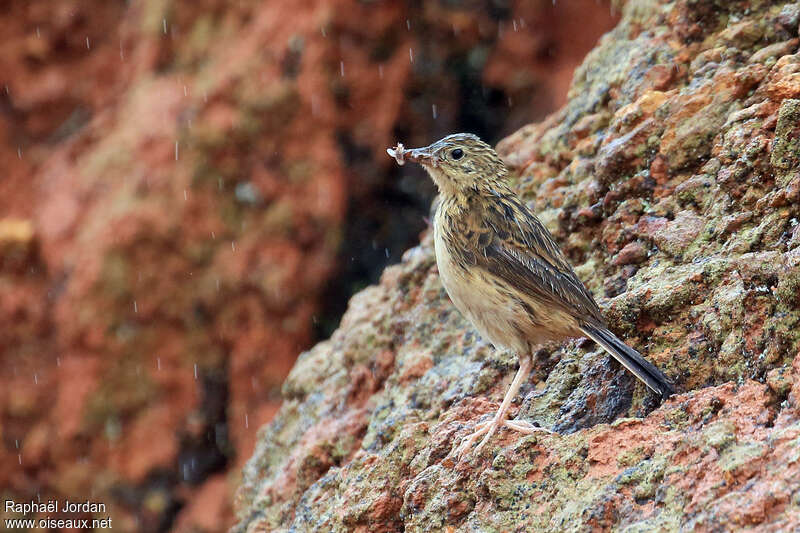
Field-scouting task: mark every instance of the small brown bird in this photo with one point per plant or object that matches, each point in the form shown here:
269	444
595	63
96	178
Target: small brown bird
503	270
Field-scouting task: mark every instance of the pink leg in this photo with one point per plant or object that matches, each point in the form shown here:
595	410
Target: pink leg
499	419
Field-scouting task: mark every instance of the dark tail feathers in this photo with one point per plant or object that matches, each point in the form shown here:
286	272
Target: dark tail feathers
630	359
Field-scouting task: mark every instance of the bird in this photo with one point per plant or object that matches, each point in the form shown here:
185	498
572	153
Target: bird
504	271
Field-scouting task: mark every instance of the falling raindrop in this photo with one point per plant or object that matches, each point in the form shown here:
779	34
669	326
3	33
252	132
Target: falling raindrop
185	196
158	363
121	52
16	442
217	284
246	421
411	55
19	152
205	96
19	456
380	71
247	193
341	68
135	307
87	43
58	361
323	32
38	33
514	24
408	24
195	371
185	91
433	109
164	24
36	379
176	150
213	235
386	251
233	246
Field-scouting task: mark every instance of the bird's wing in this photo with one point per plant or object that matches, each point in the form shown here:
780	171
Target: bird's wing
513	245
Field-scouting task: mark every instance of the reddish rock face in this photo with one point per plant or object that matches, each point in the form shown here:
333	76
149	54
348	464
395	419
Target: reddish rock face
181	187
671	180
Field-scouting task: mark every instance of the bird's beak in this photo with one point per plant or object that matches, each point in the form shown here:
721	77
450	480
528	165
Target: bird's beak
423	156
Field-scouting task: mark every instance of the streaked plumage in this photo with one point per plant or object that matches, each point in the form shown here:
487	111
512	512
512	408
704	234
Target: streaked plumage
502	268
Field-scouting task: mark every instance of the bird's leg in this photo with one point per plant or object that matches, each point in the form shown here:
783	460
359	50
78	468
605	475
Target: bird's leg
499	419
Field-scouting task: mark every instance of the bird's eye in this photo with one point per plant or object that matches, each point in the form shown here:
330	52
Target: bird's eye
458	153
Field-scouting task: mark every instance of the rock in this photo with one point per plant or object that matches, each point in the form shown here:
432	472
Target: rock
361	444
189	196
743	34
675	236
786	146
775	50
789	17
632	253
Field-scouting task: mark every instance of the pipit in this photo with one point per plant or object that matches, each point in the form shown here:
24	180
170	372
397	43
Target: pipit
505	273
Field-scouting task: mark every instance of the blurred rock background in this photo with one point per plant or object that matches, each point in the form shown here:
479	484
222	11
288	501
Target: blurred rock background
191	191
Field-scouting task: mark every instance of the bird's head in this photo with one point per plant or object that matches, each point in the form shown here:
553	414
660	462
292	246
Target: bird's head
456	163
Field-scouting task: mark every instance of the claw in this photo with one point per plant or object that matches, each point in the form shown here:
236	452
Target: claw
523	426
492	428
489	427
465	446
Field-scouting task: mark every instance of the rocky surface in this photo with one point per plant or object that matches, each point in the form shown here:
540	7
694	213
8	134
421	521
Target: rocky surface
671	180
186	188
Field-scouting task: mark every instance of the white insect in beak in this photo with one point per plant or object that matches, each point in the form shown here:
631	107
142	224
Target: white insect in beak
423	156
398	152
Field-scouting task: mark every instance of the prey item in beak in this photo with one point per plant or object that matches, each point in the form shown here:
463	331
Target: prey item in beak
416	155
398	152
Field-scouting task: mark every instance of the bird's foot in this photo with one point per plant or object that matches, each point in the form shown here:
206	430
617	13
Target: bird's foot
489	427
480	429
523	426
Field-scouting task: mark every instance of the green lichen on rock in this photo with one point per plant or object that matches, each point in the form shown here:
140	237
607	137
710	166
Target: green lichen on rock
786	146
670	179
